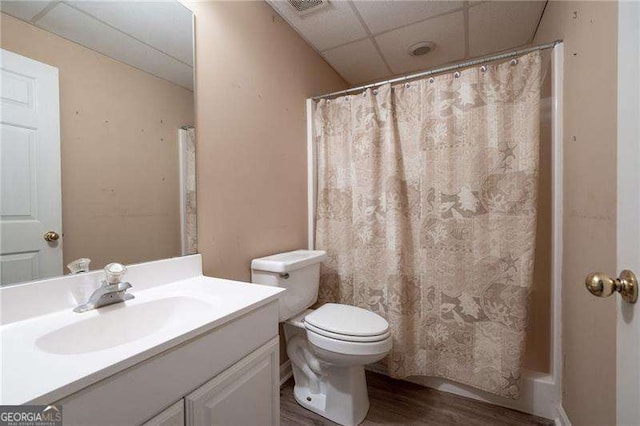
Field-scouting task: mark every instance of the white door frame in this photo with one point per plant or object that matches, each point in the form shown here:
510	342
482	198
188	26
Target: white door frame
628	209
540	393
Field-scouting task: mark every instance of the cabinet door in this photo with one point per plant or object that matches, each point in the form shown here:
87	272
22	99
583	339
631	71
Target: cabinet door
172	416
246	394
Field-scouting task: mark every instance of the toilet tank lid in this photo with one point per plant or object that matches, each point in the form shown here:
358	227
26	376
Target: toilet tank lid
289	261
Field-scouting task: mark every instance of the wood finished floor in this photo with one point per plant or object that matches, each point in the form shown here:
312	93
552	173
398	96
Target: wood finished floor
395	402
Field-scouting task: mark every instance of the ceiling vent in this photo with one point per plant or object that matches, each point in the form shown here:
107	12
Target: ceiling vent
304	7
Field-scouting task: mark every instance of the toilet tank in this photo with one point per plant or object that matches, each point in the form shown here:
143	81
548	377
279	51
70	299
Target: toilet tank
298	271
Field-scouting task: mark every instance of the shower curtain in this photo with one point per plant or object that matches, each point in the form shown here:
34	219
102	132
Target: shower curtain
427	210
187	141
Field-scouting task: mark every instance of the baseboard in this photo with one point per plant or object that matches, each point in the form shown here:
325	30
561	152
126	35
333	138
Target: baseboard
562	419
538	393
285	372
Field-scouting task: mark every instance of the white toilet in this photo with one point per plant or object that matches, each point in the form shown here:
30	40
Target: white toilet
328	347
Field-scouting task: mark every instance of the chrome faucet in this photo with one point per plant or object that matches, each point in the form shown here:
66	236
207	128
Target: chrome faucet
112	289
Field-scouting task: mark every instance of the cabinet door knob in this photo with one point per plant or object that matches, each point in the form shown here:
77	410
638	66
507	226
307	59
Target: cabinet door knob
51	236
602	285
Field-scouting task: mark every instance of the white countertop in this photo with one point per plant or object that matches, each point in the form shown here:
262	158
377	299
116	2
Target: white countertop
45	358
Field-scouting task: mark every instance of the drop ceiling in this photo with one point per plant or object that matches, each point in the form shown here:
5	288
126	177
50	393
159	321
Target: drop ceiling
369	40
154	36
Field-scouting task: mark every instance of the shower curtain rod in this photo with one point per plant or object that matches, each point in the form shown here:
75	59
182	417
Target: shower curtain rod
469	63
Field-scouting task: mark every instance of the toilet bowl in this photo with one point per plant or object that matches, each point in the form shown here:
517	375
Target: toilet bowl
328	347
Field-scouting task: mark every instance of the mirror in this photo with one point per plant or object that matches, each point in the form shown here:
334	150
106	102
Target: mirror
97	144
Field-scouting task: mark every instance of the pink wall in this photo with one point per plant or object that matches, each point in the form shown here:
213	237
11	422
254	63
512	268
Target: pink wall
589	30
253	75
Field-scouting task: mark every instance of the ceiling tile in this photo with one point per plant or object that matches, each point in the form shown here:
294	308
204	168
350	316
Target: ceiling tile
495	26
357	62
446	31
329	27
381	16
25	10
89	32
167	26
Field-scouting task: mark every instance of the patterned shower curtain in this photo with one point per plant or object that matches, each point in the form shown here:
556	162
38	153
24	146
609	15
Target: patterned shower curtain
427	210
188	138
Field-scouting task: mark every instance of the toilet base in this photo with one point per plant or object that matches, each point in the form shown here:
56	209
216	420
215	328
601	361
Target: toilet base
343	399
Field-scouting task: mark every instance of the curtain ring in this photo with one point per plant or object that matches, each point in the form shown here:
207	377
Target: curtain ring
431	80
375	91
514	62
456	74
483	68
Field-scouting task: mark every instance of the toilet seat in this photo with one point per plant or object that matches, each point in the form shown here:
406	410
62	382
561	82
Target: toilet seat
345	337
347	322
348	330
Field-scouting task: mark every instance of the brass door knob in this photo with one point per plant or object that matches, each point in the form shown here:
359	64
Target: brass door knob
51	236
602	285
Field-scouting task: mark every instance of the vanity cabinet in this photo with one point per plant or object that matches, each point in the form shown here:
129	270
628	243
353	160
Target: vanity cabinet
172	416
246	394
228	376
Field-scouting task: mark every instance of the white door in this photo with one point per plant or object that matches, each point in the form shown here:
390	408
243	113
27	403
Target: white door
628	216
30	200
247	394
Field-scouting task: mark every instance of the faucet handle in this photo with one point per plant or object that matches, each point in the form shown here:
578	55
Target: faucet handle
115	272
79	265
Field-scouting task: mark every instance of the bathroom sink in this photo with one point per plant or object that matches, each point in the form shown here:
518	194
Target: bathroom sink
122	323
49	352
